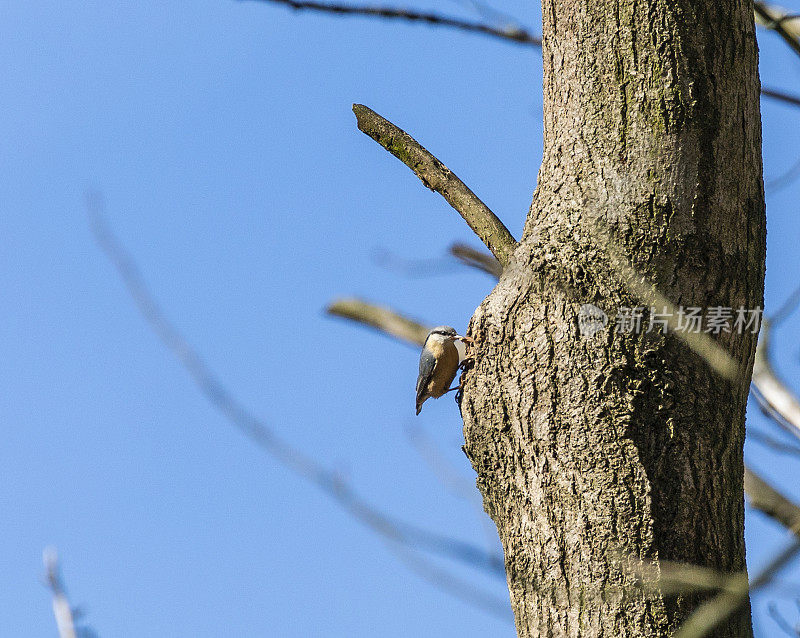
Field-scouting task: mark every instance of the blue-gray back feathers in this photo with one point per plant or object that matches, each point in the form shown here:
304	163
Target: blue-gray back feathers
427	362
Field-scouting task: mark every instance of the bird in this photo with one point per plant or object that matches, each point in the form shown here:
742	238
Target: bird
438	363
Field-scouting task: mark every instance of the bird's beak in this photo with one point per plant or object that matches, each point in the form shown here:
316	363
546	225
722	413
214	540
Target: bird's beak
465	339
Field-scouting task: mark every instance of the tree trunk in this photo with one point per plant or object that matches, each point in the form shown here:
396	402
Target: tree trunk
590	451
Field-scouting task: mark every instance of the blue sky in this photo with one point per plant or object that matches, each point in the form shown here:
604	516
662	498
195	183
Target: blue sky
221	136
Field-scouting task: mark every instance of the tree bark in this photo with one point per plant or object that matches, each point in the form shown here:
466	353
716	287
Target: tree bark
594	452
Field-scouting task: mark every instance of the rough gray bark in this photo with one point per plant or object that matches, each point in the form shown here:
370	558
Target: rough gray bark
623	445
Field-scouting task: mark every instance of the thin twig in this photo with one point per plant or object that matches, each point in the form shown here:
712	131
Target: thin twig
781	621
489	12
773	18
783	404
439	178
716	610
769	411
786	309
415	268
512	33
781	96
62	610
682	579
777	184
451	479
380	318
767	499
262	435
460	255
477	259
457	587
772	443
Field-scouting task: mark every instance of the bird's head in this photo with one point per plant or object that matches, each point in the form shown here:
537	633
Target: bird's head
446	333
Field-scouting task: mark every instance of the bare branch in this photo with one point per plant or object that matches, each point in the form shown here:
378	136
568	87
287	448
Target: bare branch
415	268
786	309
717	609
458	588
782	403
681	578
487	11
772	443
780	96
381	319
768	500
768	16
477	259
782	622
439	178
262	435
62	610
775	18
789	176
459	255
512	33
765	498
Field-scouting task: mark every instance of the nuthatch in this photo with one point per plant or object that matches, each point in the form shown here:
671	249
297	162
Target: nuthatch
438	363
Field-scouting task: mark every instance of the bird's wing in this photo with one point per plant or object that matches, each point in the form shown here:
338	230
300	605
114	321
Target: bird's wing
427	362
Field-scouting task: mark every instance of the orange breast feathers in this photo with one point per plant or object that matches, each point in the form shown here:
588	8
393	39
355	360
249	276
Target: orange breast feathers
446	355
